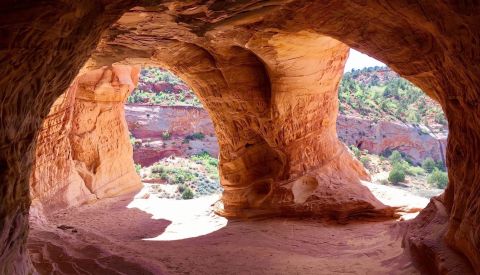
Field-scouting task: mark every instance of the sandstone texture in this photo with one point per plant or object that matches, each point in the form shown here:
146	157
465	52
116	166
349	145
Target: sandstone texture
84	152
272	97
267	72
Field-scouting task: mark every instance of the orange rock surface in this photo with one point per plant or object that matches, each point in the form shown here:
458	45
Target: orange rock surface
84	152
267	72
273	100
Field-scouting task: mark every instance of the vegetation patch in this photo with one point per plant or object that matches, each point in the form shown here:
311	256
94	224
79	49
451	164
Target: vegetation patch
194	136
185	178
159	86
378	93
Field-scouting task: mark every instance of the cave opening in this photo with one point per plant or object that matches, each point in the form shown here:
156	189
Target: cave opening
394	129
196	39
175	151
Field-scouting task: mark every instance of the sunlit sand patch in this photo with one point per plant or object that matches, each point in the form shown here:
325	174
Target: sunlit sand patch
190	218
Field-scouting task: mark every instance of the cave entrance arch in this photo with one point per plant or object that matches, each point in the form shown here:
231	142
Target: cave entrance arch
392	127
427	54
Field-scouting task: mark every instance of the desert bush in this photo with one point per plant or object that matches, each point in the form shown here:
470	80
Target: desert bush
439	164
187	194
396	175
384	182
138	168
166	135
428	164
194	136
365	161
414	170
438	178
157	169
395	157
356	151
181	188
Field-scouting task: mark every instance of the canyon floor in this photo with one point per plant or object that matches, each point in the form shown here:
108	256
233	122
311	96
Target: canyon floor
133	235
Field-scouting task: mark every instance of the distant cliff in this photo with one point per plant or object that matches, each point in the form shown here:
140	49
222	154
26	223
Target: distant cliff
149	123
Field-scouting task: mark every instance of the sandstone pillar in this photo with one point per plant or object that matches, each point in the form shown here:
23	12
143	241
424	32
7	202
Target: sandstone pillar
274	109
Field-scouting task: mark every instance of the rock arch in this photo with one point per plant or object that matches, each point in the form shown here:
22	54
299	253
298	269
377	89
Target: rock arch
434	44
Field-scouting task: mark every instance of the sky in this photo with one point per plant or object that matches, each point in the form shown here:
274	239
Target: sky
358	60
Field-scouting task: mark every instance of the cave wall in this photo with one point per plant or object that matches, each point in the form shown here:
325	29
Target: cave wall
434	44
42	47
83	151
272	96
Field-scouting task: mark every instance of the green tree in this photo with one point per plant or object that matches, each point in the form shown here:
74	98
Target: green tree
187	193
438	178
395	157
396	175
428	164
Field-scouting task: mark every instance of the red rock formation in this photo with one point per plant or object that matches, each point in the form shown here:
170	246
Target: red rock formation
267	72
149	122
84	151
377	137
272	98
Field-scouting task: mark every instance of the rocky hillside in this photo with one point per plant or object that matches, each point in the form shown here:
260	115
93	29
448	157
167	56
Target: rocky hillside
373	93
380	113
159	86
378	93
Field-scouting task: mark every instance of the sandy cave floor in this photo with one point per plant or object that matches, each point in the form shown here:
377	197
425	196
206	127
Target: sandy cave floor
131	235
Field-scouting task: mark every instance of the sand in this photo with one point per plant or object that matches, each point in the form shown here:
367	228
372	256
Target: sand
132	235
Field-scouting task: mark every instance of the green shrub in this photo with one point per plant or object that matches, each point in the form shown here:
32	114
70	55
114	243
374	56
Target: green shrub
414	170
138	168
355	151
199	136
181	188
395	157
396	175
166	135
439	164
187	194
365	161
438	178
428	164
157	169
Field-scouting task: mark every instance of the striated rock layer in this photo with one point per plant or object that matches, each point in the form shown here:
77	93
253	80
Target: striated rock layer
149	122
272	97
380	136
84	152
267	72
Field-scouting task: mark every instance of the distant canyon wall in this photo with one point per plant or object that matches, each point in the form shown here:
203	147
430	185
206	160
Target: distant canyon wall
150	121
148	124
413	141
83	151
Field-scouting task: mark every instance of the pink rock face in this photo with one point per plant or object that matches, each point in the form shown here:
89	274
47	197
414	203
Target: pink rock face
147	121
150	122
84	152
376	137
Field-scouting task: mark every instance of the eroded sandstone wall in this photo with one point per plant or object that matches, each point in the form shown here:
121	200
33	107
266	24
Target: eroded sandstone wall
84	152
434	44
272	97
42	47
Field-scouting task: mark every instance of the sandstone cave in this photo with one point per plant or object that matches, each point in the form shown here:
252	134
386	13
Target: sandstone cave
267	73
